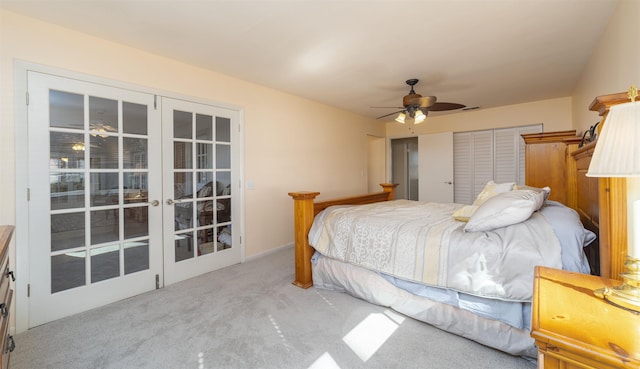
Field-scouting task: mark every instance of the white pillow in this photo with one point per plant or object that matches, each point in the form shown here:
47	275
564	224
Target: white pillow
491	189
505	209
546	190
464	213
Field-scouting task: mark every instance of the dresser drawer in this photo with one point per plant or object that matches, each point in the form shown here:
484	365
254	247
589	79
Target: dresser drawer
5	283
6	340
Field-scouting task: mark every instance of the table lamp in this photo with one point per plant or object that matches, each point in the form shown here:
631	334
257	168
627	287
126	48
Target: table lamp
617	154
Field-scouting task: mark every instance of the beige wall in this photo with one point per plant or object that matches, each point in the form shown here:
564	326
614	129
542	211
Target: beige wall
290	143
554	114
335	141
614	65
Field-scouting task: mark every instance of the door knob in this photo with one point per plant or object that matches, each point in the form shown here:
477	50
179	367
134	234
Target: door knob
448	182
155	202
169	201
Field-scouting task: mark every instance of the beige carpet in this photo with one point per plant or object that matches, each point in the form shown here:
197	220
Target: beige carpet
248	316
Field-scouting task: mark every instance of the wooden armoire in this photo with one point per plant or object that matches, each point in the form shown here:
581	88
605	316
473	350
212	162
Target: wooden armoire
548	162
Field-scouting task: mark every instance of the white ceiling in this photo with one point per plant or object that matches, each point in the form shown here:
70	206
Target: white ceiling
358	54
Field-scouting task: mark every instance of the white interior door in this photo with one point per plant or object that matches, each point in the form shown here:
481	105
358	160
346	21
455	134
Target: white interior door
94	228
436	167
201	188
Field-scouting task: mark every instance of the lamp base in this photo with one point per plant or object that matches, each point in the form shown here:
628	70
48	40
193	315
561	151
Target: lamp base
627	295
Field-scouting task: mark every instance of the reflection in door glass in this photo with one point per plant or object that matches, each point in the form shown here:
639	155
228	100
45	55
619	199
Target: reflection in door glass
224	210
183	246
183	215
223	129
67	190
182	124
204	157
67	231
134	118
223	156
136	187
224	183
134	153
105	189
103	115
224	237
98	180
204	127
105	263
67	271
136	256
66	150
104	226
103	152
66	110
182	185
182	155
202	184
136	222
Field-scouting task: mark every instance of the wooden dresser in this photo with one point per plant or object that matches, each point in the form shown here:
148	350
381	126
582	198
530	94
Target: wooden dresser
6	294
575	329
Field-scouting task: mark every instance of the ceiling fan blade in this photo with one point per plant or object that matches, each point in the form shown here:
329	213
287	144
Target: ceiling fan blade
426	101
386	115
442	106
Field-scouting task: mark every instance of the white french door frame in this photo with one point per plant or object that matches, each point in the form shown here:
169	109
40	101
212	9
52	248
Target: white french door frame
22	231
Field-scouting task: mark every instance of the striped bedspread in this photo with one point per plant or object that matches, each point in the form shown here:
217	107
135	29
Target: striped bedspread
421	242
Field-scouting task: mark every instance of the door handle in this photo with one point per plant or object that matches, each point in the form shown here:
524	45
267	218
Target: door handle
155	203
169	201
448	182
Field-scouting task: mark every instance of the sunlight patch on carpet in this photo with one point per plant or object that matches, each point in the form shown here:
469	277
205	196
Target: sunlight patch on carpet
325	361
371	333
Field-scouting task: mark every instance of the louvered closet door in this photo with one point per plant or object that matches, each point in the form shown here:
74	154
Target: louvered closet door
473	164
510	153
481	156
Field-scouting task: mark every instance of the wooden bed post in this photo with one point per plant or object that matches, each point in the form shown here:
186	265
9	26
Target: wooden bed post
303	214
390	188
305	209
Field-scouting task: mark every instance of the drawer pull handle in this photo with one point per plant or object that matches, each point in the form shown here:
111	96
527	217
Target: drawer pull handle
11	344
10	274
3	310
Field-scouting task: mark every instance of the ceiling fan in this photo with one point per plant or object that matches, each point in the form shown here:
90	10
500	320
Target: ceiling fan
416	106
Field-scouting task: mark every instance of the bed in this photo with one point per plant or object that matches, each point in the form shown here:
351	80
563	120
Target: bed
454	291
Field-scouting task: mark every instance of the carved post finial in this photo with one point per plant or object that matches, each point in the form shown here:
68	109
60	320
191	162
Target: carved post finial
633	93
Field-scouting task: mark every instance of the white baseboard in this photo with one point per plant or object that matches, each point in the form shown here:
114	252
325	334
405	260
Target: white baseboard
268	252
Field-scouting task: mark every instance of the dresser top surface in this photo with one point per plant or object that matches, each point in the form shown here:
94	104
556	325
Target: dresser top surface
567	313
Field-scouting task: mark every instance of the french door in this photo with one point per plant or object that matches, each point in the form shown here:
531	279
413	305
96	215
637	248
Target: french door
199	190
115	209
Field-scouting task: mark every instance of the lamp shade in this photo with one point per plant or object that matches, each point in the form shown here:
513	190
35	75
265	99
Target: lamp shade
419	117
617	152
401	117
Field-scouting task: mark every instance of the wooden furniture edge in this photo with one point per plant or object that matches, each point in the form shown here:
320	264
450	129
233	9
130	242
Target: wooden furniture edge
613	201
544	137
305	209
550	342
6	231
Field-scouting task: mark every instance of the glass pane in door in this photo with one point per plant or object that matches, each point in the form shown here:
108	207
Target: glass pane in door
202	181
98	179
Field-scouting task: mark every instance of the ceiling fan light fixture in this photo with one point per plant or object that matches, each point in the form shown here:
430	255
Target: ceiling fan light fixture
401	117
419	117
